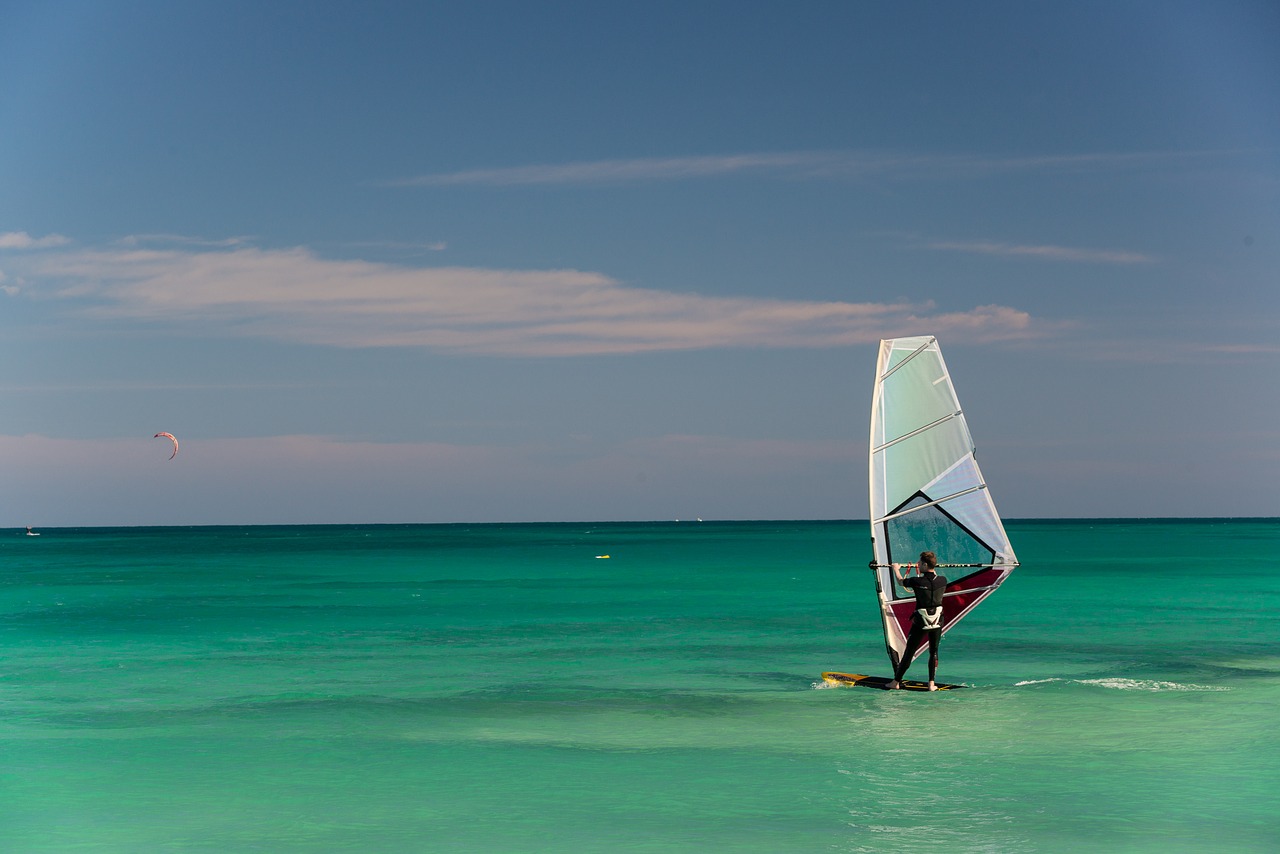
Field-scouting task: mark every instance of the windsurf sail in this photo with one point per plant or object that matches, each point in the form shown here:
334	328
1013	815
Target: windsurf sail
927	492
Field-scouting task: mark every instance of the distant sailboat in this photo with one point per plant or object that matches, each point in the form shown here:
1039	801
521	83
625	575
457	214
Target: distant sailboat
927	493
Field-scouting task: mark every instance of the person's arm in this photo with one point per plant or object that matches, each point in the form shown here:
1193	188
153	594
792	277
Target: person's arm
897	570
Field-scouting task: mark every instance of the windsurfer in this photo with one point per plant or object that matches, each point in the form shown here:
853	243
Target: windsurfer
927	620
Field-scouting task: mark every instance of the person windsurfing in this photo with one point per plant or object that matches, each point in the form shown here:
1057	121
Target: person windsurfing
927	620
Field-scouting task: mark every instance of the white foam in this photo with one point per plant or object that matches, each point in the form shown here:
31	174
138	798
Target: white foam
1119	683
1148	685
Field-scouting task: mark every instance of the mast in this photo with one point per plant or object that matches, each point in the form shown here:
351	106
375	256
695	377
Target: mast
926	490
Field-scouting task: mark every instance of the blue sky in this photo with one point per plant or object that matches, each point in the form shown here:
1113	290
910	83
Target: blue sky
505	261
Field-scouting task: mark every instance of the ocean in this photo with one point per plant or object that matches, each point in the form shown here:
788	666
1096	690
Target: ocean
505	688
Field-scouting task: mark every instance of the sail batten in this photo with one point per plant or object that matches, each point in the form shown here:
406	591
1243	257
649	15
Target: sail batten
926	490
943	420
934	503
907	358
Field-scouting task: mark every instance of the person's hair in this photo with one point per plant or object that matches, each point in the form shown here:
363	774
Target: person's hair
928	560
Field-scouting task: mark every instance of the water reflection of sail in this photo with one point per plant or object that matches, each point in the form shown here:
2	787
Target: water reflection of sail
927	492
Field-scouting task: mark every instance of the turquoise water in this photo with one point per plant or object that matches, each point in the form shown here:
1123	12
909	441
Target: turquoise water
500	688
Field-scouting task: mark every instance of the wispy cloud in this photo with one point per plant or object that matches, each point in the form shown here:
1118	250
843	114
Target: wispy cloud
615	171
1045	252
1241	349
22	240
182	240
415	247
295	295
846	165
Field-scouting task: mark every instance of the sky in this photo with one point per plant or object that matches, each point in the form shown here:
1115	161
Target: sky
507	261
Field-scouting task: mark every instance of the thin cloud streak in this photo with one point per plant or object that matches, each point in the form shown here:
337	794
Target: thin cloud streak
182	240
615	171
401	245
64	388
1044	252
845	165
293	295
1241	349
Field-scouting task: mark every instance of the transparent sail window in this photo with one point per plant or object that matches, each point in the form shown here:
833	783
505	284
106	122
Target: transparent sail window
932	529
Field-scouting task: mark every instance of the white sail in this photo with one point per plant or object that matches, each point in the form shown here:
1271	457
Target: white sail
927	492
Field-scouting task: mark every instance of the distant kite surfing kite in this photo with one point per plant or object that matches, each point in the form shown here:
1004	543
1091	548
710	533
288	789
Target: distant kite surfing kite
171	438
